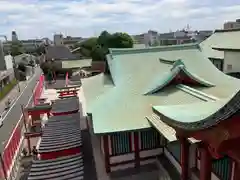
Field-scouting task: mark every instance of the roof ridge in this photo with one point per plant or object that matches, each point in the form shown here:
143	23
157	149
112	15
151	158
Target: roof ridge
117	51
226	30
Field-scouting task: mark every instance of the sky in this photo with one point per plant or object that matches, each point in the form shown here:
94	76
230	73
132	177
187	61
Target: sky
43	18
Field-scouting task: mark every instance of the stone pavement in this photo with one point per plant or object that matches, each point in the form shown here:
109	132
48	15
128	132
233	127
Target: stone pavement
13	94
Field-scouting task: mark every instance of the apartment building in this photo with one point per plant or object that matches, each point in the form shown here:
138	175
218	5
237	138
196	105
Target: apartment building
69	41
232	24
149	39
153	38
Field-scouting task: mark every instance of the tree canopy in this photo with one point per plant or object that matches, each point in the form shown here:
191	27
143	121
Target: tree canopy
97	47
16	48
40	49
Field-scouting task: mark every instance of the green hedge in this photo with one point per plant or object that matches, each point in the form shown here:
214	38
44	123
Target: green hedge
6	89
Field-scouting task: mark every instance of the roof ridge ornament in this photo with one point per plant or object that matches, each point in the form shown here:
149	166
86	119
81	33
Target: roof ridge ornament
178	63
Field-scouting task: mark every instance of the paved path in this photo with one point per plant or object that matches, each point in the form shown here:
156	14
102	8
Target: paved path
13	94
14	113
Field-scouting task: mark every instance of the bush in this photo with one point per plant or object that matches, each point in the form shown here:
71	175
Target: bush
6	89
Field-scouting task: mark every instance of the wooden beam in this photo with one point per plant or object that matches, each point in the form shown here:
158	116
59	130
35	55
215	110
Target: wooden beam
136	148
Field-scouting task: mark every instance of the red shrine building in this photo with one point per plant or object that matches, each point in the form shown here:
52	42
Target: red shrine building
169	106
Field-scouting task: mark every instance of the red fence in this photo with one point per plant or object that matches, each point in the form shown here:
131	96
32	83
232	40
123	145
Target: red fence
11	148
38	89
13	143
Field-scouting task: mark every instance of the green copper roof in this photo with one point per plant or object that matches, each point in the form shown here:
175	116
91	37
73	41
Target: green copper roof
95	86
220	39
200	115
165	79
122	106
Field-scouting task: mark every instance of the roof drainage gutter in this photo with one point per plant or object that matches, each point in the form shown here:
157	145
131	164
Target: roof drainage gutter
196	93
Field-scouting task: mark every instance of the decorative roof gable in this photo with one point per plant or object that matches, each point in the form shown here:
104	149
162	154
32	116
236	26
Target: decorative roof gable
178	74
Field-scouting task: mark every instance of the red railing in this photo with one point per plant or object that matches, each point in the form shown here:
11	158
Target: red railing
38	89
11	149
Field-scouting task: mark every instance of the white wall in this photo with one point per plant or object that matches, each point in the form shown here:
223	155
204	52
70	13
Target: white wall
231	62
8	61
58	39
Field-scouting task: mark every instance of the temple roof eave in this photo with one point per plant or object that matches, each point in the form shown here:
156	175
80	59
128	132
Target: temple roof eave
195	116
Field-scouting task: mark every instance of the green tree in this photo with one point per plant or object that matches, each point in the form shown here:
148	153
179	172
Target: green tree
116	40
97	48
98	53
121	40
104	39
16	48
40	50
86	47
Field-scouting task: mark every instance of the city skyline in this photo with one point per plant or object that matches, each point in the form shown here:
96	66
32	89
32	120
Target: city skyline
37	19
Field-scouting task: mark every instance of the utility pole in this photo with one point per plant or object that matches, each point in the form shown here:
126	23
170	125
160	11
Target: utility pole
16	73
24	118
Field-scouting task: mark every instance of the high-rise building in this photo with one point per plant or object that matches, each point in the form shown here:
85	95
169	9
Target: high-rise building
14	36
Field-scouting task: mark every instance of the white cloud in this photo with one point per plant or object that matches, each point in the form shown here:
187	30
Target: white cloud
82	18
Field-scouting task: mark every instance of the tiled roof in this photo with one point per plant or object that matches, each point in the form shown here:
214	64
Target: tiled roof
122	106
64	168
222	39
61	132
65	105
59	53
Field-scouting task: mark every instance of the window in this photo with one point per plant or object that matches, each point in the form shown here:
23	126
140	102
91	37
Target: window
151	139
222	168
120	143
229	67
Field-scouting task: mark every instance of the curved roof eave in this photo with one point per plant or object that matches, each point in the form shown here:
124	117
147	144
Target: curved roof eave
197	78
177	67
166	80
204	114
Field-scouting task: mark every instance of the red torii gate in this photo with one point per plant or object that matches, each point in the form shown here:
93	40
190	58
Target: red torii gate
70	91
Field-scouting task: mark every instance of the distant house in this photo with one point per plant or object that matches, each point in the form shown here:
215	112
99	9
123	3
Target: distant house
59	52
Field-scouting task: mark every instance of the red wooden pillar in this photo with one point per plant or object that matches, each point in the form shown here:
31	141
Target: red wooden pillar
184	158
205	163
136	148
106	153
236	173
